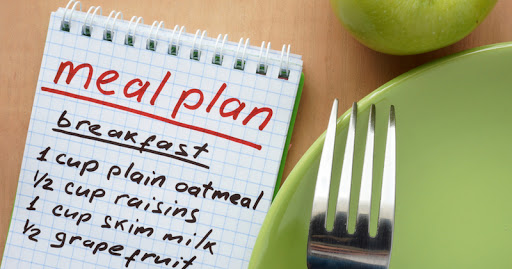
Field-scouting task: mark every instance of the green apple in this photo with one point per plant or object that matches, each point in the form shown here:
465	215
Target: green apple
404	27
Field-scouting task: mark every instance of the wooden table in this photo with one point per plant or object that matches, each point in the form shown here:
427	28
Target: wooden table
336	65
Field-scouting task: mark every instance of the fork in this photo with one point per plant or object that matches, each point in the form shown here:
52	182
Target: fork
337	248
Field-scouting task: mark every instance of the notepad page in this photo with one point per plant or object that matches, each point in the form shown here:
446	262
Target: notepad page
140	159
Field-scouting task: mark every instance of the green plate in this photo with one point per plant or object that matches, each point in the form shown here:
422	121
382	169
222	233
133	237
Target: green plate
454	168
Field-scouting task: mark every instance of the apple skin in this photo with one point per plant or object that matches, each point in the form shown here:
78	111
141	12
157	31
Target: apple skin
405	27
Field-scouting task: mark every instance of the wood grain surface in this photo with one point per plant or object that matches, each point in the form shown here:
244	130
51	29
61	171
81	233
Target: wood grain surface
335	65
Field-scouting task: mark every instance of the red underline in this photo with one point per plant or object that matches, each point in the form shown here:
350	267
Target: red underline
152	116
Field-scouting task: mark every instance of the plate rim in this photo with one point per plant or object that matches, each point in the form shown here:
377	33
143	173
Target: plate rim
314	149
366	101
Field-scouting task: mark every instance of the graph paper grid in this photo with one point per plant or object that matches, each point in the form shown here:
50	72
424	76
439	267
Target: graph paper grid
233	166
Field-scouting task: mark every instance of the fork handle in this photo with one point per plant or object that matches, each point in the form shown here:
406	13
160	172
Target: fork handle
321	263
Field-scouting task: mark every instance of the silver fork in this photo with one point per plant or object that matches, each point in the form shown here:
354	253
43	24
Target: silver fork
338	248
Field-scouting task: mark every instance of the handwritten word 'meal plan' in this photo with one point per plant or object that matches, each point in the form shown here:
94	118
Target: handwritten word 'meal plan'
191	99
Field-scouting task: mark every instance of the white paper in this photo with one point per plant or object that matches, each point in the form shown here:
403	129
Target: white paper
113	165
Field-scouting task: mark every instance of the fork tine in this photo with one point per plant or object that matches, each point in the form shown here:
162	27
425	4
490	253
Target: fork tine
343	203
323	181
387	201
338	248
365	195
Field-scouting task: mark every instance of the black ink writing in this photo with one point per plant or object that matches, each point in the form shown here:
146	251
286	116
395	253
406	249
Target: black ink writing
179	239
75	215
157	259
208	191
136	176
125	225
82	191
96	247
131	138
33	231
158	207
33	203
42	155
89	166
48	181
200	149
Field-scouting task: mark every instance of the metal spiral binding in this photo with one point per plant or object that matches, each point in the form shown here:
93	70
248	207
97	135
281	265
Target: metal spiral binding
262	65
175	47
129	39
240	61
218	56
284	69
65	25
175	41
87	28
152	42
108	33
195	53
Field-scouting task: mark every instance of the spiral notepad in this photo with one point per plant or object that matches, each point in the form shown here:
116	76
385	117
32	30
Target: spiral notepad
149	147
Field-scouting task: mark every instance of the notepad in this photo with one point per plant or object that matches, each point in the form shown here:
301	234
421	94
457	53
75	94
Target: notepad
149	147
